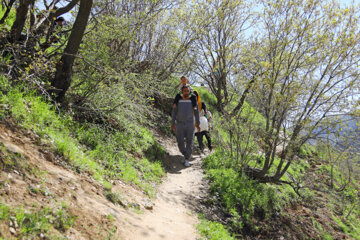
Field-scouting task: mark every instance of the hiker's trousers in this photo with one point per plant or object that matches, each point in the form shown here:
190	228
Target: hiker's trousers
185	137
200	137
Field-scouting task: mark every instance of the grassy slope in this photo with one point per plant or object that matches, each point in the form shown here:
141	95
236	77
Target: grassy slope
131	155
260	209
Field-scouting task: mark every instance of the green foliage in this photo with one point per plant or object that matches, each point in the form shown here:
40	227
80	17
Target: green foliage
306	151
207	97
242	197
320	228
131	154
9	20
32	223
213	230
4	211
350	227
113	149
115	198
327	236
32	112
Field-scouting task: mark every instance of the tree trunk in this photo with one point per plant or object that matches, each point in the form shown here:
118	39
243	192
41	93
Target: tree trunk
8	9
63	76
243	96
21	13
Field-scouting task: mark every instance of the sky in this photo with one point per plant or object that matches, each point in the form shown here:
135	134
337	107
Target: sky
347	2
69	17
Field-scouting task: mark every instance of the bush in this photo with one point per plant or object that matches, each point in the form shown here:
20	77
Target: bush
213	230
9	20
243	198
32	223
109	153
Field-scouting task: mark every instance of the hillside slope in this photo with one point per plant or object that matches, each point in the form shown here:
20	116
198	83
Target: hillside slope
38	178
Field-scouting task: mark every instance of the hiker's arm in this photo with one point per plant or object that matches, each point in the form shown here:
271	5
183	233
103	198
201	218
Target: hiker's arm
173	114
197	115
211	120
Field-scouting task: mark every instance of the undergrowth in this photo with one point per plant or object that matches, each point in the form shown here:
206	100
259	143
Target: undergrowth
131	154
29	224
243	198
213	230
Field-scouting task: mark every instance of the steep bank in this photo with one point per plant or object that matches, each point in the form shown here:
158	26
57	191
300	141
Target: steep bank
37	178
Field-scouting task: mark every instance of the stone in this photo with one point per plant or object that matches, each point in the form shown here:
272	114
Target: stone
7	188
123	202
148	205
13	148
12	230
135	205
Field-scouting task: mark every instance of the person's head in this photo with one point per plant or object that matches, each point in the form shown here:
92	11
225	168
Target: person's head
60	21
184	80
185	90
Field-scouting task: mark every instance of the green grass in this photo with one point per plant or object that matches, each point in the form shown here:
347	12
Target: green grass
207	97
33	223
32	112
350	226
307	150
326	236
10	19
132	154
242	197
213	230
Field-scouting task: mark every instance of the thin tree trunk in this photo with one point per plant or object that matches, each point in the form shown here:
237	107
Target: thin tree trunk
63	76
18	25
8	9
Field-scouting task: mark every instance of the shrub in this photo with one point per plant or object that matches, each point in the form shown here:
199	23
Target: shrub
131	154
213	230
242	197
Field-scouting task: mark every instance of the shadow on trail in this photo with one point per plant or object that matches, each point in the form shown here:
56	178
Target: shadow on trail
173	164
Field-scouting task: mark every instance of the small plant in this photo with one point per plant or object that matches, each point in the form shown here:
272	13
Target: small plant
213	230
32	223
242	197
116	198
131	154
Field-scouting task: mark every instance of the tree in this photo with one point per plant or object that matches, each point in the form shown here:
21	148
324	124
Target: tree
44	24
8	6
21	14
310	70
216	51
63	75
149	39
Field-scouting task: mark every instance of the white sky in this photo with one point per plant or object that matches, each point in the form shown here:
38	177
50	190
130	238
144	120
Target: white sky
69	17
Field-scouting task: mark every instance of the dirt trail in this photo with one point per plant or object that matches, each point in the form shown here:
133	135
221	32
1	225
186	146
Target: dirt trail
172	217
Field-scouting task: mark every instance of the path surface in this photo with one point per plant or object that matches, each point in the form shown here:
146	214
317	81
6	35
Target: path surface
173	216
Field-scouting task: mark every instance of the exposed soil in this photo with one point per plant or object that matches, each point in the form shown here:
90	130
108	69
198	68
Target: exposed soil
171	215
173	211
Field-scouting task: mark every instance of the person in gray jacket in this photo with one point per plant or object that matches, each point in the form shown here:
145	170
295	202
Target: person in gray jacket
185	115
